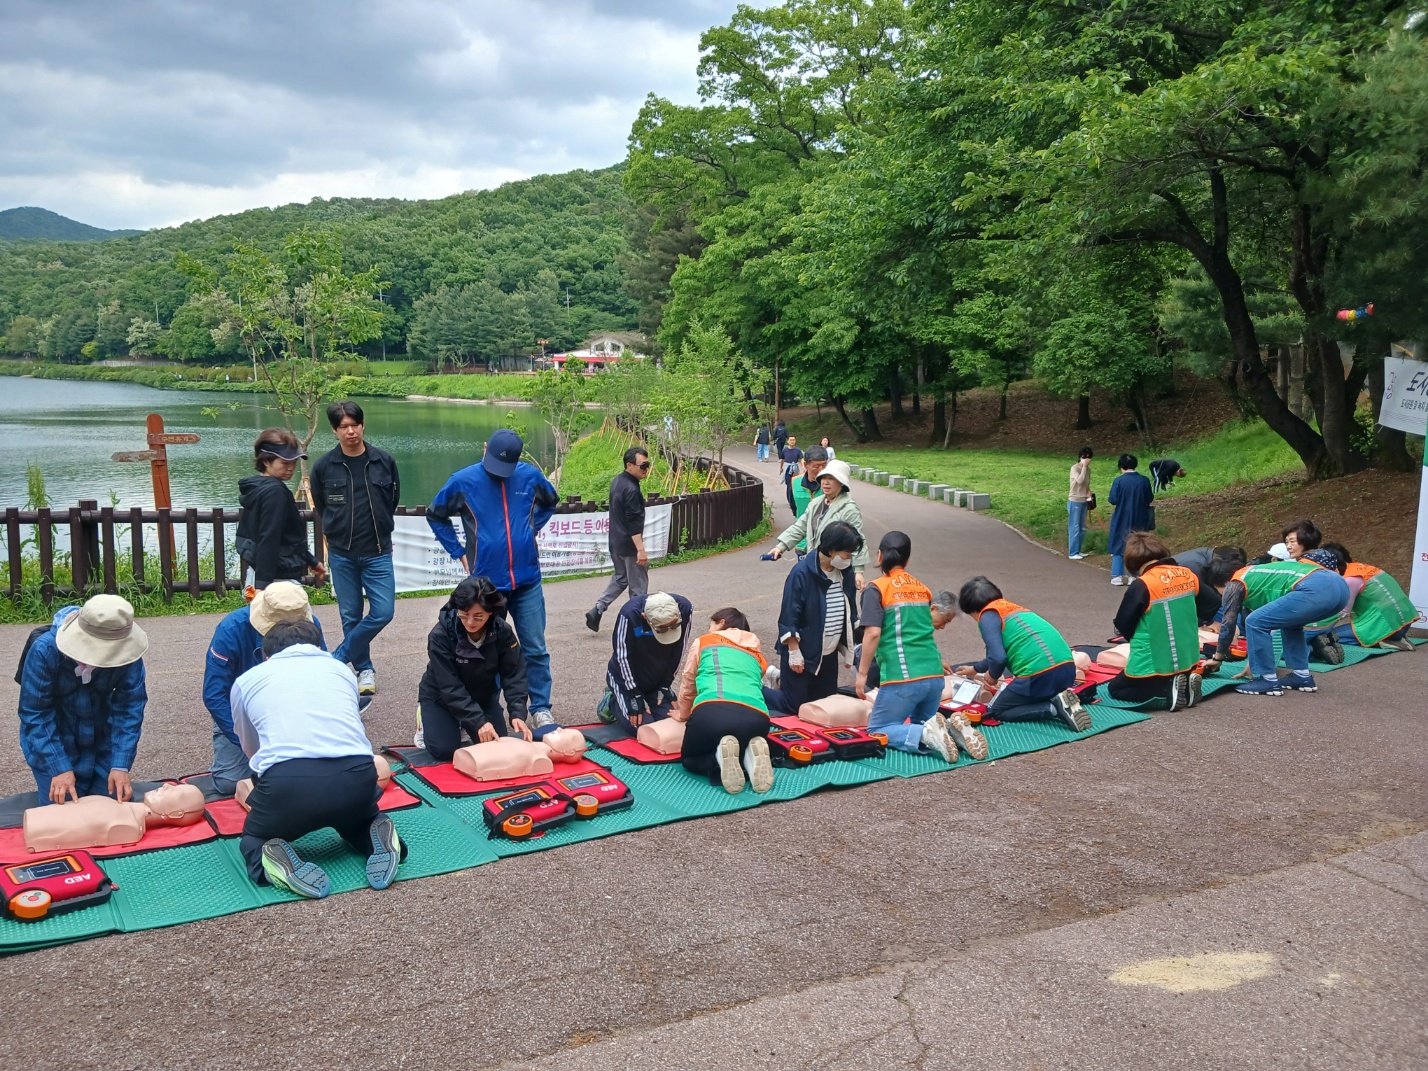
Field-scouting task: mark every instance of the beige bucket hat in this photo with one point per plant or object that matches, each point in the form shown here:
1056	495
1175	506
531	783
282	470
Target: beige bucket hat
840	471
102	634
282	600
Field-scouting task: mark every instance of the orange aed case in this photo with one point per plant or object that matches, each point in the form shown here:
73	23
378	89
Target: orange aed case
53	885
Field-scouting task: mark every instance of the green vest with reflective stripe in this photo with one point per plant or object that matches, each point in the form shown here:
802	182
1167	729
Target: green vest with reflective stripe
907	649
1032	644
728	674
801	497
1381	609
1273	580
1167	639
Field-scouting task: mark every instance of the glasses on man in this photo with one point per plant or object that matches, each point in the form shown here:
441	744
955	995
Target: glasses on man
643	466
671	627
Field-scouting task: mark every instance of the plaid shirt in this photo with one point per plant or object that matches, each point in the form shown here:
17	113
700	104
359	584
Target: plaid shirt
66	724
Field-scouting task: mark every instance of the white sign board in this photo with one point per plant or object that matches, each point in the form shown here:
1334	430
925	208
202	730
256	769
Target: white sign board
1418	584
569	544
1405	393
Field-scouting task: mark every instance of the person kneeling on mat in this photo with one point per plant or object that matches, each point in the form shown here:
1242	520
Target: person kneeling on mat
897	627
649	639
944	611
722	704
473	656
1027	646
298	719
1379	612
1159	619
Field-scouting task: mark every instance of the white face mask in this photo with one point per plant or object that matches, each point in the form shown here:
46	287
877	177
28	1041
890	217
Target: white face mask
840	563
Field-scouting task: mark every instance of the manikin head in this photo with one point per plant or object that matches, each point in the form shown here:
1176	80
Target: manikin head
566	745
179	805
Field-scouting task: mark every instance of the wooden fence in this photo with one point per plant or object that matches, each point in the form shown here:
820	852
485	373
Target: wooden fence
98	542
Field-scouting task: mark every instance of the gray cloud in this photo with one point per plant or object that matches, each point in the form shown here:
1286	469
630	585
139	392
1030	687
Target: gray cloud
148	112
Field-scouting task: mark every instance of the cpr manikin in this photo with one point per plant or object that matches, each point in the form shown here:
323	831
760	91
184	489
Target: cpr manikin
104	822
666	736
244	787
510	756
837	711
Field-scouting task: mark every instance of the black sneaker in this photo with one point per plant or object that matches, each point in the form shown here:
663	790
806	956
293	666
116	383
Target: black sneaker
1179	692
388	851
1327	649
286	870
1195	683
1069	710
592	620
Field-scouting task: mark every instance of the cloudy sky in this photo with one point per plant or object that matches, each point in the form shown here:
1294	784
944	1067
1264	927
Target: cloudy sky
141	113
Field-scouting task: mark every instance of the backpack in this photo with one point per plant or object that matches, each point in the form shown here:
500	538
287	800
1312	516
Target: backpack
35	633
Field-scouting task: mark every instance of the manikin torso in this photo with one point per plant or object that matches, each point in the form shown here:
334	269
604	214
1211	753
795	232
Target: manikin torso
102	822
510	756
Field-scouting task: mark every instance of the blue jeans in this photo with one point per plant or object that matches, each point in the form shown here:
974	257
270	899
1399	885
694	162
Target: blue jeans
1317	596
1118	565
1075	527
230	765
526	609
352	579
917	700
763	451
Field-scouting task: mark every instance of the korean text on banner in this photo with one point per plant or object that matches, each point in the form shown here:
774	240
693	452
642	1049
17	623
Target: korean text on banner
1405	391
569	544
1418	586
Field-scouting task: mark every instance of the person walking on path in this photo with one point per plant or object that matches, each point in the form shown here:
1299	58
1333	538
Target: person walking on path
502	503
807	487
271	536
780	437
828	446
761	441
82	699
627	540
356	488
1078	502
835	504
791	458
1131	496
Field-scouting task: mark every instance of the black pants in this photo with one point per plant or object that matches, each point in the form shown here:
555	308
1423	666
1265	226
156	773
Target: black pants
795	689
1029	698
1139	689
708	724
300	796
441	729
788	493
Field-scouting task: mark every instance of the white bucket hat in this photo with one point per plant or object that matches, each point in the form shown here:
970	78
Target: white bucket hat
102	634
282	600
840	471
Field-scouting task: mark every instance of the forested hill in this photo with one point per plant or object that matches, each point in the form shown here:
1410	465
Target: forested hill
30	223
478	274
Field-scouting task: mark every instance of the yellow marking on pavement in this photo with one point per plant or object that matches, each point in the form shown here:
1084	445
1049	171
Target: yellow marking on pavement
1196	974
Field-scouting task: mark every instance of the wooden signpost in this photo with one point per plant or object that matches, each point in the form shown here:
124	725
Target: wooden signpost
158	458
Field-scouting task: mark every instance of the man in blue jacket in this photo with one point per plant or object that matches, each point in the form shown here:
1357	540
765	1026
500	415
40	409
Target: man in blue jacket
237	647
502	503
82	701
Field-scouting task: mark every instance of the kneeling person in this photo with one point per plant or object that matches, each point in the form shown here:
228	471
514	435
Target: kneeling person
722	702
1158	617
649	640
297	716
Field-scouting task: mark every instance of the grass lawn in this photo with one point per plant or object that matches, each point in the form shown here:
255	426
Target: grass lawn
1029	489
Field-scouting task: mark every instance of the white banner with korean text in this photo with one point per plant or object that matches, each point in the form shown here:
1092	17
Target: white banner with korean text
1405	390
570	544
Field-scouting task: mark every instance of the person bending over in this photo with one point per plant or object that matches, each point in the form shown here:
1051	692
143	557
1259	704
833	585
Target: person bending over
649	639
815	622
298	718
1202	562
1283	597
1031	650
473	656
897	630
1380	613
722	705
944	610
236	647
1158	619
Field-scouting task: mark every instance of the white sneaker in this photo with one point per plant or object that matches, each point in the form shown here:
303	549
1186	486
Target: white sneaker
540	718
966	737
419	739
731	774
771	677
1118	581
367	682
1077	557
936	738
758	765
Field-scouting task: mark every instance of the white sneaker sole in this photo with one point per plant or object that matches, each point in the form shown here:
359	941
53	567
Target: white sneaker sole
965	736
1077	717
758	765
731	774
936	737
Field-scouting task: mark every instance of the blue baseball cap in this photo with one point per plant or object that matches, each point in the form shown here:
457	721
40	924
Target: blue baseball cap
503	451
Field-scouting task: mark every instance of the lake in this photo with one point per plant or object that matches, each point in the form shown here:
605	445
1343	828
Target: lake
70	429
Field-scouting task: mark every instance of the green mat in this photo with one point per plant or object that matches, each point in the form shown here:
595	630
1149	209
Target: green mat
202	881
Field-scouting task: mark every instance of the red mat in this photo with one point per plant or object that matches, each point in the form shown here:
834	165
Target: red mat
13	850
632	749
228	815
445	779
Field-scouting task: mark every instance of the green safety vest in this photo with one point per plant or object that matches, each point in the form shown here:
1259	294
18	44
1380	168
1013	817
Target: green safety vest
801	497
1033	645
728	673
907	649
1273	580
1167	640
1381	609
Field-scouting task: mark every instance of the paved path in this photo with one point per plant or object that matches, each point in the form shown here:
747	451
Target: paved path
975	916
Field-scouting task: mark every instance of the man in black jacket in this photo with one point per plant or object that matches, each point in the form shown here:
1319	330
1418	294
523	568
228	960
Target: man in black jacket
356	488
473	657
650	635
627	540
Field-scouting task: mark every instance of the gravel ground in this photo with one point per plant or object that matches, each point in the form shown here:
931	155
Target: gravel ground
615	939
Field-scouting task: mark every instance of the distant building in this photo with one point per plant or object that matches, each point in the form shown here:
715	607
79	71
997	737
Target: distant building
600	351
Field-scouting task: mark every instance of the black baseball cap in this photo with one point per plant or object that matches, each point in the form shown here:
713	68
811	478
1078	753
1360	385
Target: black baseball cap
503	451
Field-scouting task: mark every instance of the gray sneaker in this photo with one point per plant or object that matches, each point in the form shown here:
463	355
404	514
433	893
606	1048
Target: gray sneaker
367	682
540	718
1069	710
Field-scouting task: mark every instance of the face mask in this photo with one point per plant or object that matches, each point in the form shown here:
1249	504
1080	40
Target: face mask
840	563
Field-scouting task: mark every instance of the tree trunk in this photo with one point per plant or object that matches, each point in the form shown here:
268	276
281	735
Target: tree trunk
1133	403
1390	445
950	423
1083	412
1281	374
917	385
1002	407
870	425
1339	394
895	392
1297	398
857	432
939	421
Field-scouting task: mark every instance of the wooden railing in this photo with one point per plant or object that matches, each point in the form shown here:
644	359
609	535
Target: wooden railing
98	543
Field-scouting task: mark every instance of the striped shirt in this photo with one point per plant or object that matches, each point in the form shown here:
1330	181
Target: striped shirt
835	614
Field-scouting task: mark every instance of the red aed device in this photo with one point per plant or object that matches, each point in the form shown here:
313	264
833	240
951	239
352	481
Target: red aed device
527	812
607	792
53	885
854	744
794	747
